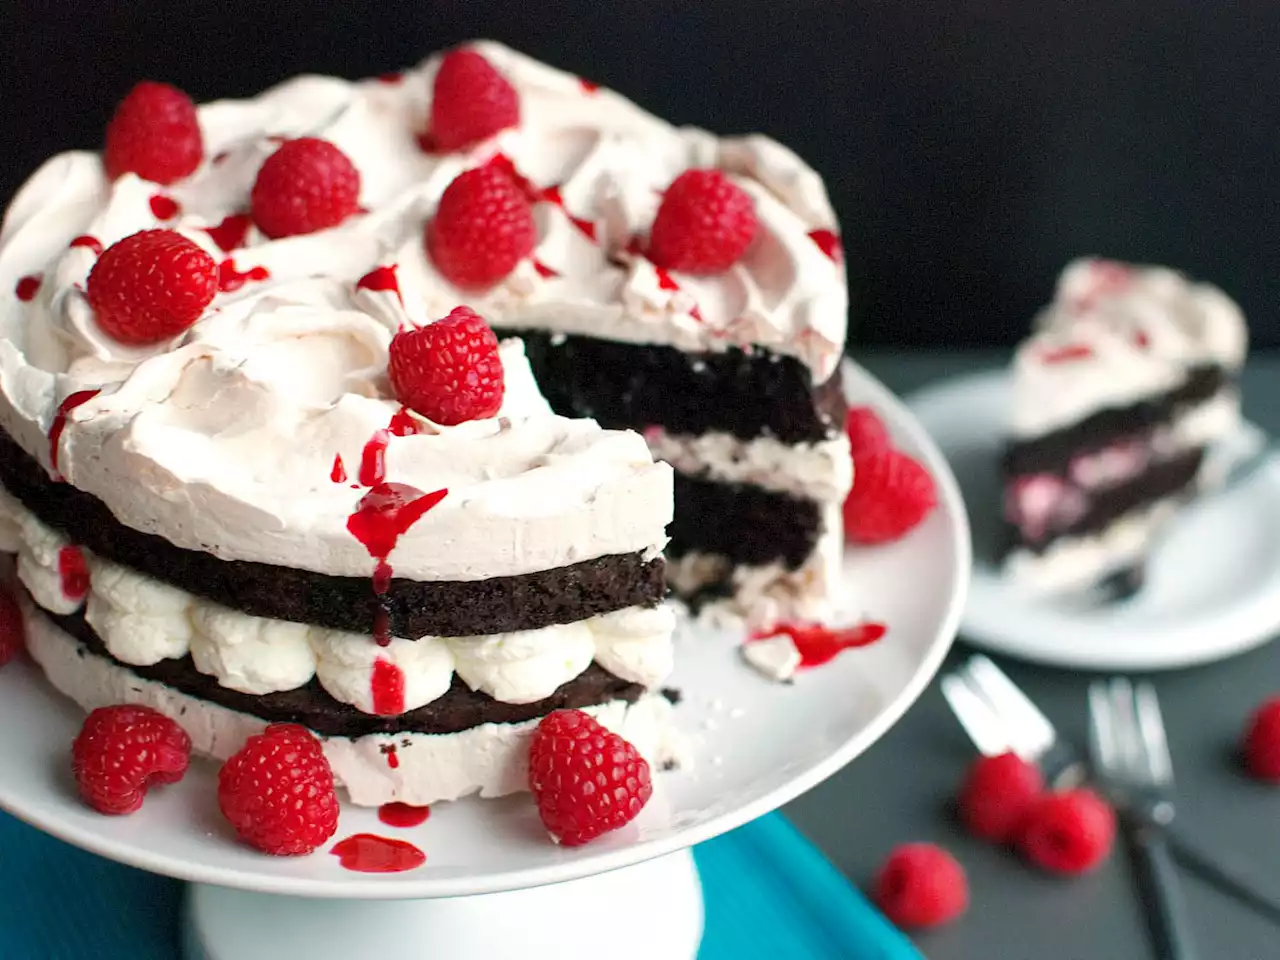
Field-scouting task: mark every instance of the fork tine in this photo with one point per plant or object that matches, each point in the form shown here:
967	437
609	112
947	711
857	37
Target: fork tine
1102	742
1151	729
1021	717
1125	725
979	721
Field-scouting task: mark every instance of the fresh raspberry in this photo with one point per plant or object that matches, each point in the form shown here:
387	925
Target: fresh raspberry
704	224
891	494
122	751
278	792
151	286
1069	832
997	794
866	431
12	638
1262	742
154	134
587	780
307	185
482	228
470	102
448	371
921	885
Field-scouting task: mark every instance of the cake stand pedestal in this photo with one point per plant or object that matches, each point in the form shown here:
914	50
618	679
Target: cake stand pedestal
226	924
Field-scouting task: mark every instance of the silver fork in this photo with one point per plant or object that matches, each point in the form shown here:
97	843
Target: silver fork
1131	755
999	717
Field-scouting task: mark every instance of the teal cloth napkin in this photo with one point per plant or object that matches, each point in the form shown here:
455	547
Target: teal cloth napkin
769	893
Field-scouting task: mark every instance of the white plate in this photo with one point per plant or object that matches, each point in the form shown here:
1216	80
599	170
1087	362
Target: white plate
757	745
1212	589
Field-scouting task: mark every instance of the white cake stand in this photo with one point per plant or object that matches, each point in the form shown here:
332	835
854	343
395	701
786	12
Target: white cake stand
493	884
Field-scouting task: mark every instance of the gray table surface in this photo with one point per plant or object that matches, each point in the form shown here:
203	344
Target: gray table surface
899	790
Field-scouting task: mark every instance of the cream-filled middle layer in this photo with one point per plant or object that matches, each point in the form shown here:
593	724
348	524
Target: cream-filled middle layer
143	621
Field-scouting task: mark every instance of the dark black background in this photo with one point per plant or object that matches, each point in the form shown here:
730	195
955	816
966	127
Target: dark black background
970	147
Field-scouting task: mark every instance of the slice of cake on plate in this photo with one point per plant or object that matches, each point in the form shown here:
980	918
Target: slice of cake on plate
1118	398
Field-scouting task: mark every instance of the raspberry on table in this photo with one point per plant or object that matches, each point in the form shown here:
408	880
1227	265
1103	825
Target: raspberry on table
921	885
586	780
154	133
997	794
470	102
308	184
151	286
483	227
892	494
122	751
12	637
278	791
1069	832
448	371
1262	742
704	224
866	431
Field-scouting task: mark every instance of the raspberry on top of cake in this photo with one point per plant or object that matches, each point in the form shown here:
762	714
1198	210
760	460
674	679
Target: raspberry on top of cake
1127	382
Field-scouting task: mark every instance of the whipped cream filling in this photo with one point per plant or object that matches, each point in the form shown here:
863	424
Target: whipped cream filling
143	621
817	471
1115	335
765	595
225	438
491	759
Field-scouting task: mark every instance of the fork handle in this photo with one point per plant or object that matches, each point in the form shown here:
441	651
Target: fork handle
1224	875
1161	893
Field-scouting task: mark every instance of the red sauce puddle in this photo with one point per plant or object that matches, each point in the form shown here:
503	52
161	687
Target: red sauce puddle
164	208
829	243
60	424
403	815
74	573
231	279
230	233
381	280
27	287
818	644
88	242
367	853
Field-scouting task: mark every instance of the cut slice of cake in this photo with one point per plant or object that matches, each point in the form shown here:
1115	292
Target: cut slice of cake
1118	397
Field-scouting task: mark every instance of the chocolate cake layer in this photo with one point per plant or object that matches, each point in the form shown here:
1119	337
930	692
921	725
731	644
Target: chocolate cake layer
433	608
1050	452
639	385
745	524
1169	478
461	708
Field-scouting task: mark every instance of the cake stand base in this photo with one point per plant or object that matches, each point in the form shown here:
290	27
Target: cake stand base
662	898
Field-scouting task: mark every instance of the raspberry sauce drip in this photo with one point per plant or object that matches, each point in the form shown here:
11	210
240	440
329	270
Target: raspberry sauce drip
664	280
829	243
28	287
552	195
339	472
367	853
387	686
231	279
588	86
381	280
373	460
817	644
73	573
231	232
381	517
88	242
164	208
403	815
404	424
544	270
390	78
1072	351
60	424
393	758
